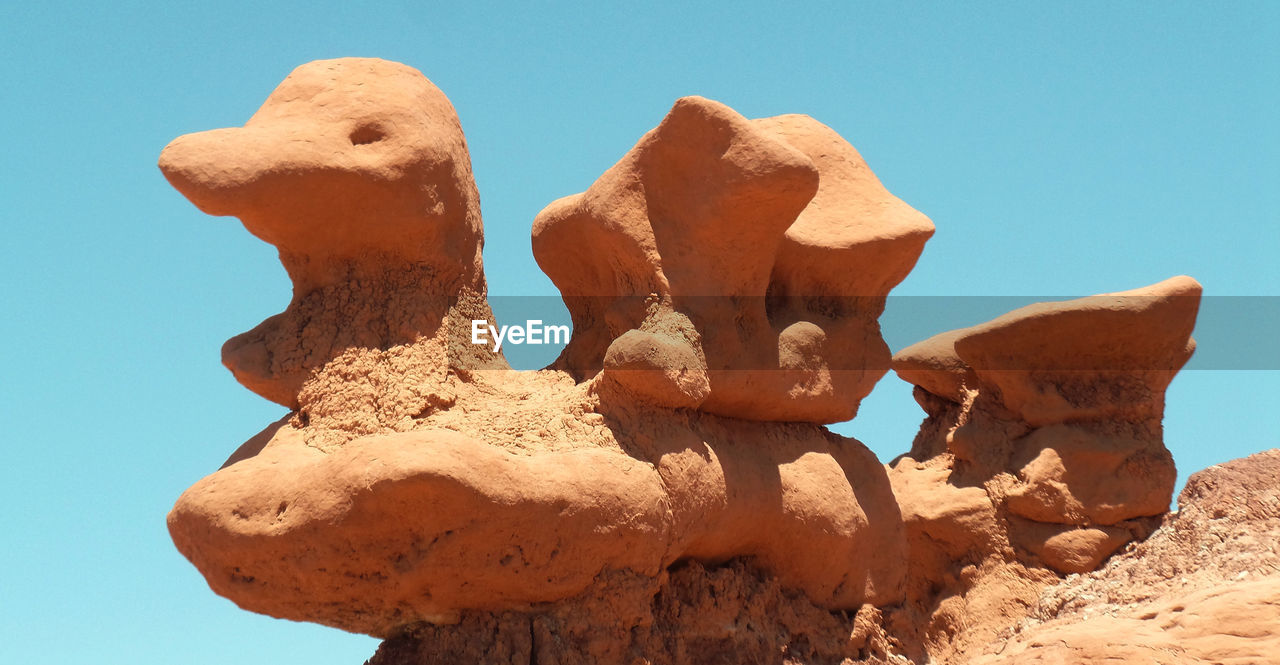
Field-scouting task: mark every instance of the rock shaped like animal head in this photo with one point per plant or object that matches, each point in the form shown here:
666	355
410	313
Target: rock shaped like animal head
357	171
348	161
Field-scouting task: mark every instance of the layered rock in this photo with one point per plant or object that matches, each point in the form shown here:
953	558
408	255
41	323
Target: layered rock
665	491
1042	448
418	478
1203	588
357	171
737	266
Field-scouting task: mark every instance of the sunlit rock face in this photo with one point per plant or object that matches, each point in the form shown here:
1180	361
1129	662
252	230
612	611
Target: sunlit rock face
665	491
418	477
722	246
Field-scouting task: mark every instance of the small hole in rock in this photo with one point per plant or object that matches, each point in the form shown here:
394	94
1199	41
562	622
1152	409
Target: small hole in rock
367	134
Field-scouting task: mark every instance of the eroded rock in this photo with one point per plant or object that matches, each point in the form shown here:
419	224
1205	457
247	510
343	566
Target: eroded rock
1042	449
418	477
357	171
665	492
1202	589
733	239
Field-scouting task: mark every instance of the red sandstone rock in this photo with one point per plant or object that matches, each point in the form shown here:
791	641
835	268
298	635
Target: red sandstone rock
1105	356
1042	452
728	243
423	491
1204	588
1201	589
357	171
729	614
419	477
1068	549
1056	407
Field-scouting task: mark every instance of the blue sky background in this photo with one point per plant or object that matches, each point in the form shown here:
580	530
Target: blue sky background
1061	151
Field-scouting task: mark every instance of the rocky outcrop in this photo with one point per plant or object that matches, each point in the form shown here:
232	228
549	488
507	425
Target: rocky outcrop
1201	589
665	491
710	268
1043	448
356	170
418	478
1055	410
1204	588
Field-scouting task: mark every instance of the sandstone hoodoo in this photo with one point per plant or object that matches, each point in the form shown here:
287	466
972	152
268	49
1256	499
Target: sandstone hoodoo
1043	448
357	171
722	247
1055	409
419	477
665	492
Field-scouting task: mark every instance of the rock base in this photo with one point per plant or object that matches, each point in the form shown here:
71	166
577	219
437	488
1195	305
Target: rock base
728	615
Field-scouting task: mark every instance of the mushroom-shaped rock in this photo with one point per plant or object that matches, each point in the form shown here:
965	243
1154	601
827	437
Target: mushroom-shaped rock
1054	409
1105	356
771	236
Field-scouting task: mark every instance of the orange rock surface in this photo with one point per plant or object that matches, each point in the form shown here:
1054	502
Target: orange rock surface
1042	452
418	476
665	492
1204	588
357	171
719	273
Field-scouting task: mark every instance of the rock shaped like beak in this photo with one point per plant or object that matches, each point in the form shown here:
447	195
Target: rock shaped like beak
206	167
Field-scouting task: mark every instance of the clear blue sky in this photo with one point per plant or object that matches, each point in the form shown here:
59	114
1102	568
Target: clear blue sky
1061	151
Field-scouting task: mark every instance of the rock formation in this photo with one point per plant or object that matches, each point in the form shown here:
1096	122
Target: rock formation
665	492
357	171
1204	588
722	247
419	478
1054	411
1043	448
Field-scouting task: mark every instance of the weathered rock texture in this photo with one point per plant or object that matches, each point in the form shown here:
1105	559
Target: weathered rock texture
357	171
665	492
728	615
1043	448
737	266
1204	588
418	477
